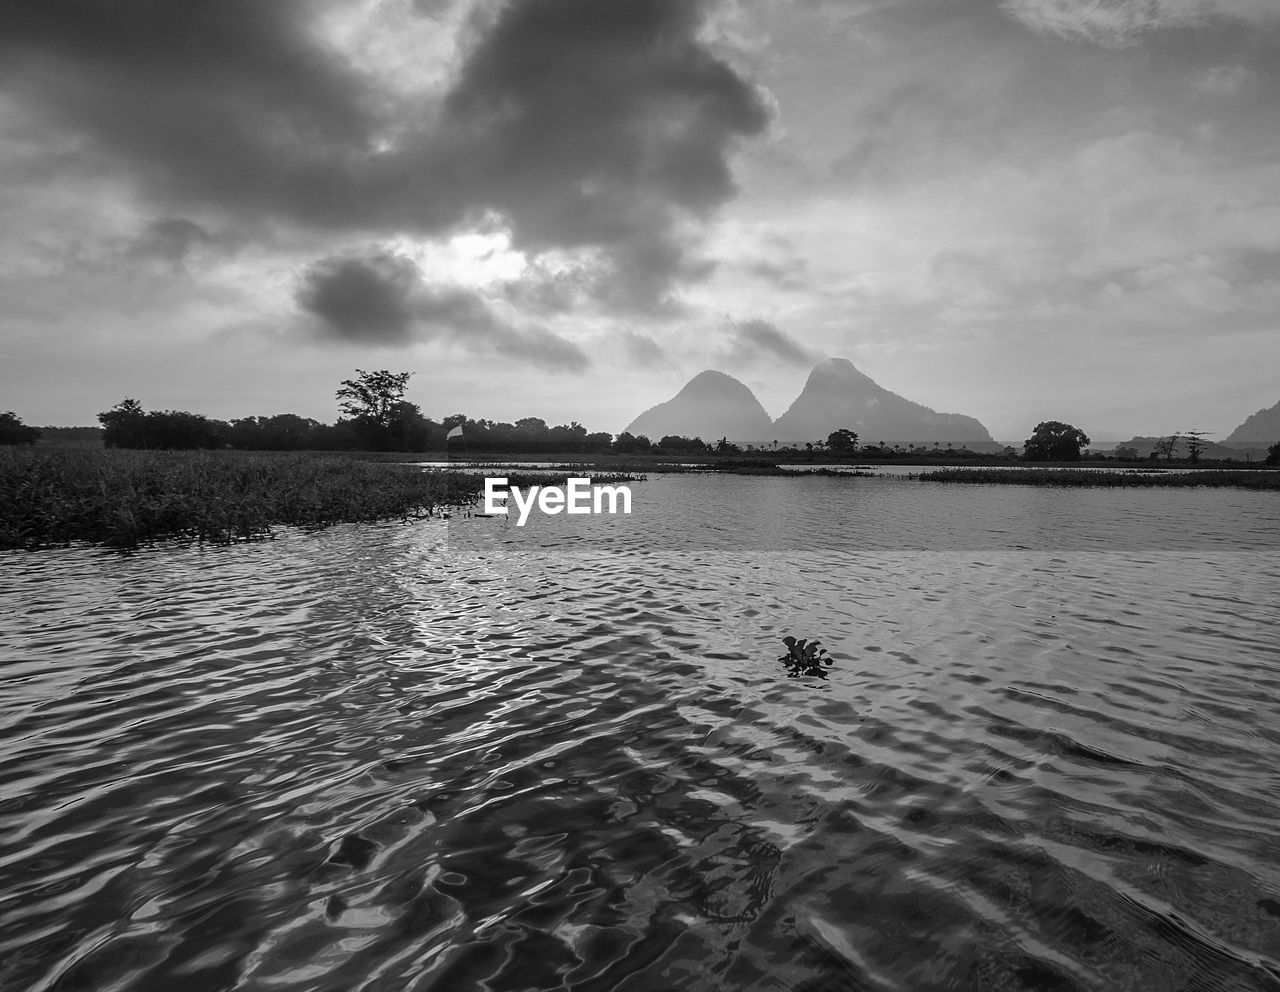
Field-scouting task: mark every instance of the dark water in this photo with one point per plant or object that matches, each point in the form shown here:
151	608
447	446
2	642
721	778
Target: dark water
469	756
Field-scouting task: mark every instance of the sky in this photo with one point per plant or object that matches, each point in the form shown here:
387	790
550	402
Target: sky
1018	210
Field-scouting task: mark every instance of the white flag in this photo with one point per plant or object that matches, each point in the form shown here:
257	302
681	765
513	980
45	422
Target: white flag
456	432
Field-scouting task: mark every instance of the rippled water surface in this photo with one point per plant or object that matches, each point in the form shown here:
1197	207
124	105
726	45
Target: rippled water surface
473	756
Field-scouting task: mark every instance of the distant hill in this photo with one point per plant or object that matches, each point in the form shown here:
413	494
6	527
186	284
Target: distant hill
838	395
1262	429
1211	450
711	406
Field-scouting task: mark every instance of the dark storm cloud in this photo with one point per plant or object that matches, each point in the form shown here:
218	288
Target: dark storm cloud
538	346
365	299
382	299
753	340
227	102
584	124
592	124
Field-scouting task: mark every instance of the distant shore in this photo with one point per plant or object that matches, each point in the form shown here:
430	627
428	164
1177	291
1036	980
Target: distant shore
125	498
667	462
1244	478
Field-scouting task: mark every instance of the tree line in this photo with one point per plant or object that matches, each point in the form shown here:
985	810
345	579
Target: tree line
377	417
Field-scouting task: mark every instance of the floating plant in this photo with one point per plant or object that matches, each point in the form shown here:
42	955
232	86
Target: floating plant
805	657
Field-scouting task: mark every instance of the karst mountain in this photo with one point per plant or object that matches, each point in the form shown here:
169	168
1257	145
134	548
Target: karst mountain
836	395
712	405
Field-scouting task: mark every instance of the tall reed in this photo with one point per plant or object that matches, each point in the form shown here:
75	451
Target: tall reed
125	498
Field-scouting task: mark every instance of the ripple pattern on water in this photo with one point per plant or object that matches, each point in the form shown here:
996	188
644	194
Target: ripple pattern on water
396	757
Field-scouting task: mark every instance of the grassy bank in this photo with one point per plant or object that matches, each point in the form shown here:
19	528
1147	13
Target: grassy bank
1067	477
127	498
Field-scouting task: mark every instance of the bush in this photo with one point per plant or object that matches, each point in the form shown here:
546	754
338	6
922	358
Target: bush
14	431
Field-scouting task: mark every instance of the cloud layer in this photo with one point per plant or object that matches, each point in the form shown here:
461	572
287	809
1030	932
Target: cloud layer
581	125
1118	23
1017	208
756	340
380	299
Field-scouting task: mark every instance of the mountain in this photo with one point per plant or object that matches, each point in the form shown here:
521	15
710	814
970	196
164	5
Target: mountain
1263	429
838	395
711	406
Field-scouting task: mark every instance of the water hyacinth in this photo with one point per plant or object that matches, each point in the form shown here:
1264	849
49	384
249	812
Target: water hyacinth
805	657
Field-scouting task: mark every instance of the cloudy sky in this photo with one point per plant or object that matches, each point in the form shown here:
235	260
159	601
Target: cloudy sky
1013	209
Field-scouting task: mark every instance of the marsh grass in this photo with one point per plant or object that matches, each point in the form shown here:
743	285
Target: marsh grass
1140	478
127	498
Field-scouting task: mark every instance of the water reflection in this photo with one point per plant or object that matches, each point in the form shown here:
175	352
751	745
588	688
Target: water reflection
434	757
803	515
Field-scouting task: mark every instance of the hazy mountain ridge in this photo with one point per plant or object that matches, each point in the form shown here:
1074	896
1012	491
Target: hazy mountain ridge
837	395
1261	428
713	404
710	406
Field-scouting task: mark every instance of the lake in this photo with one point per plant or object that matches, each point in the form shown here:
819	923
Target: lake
469	755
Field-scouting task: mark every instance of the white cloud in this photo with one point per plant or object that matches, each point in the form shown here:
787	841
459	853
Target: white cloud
1118	23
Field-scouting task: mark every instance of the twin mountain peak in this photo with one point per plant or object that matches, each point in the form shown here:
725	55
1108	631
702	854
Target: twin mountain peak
714	405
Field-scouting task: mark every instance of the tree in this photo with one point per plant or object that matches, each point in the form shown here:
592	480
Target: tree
178	429
14	431
1054	441
373	397
380	416
1194	443
1165	446
124	425
283	432
1273	454
626	443
408	430
675	442
842	441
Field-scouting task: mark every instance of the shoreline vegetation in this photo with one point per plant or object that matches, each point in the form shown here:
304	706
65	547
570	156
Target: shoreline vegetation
124	498
748	462
1142	478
